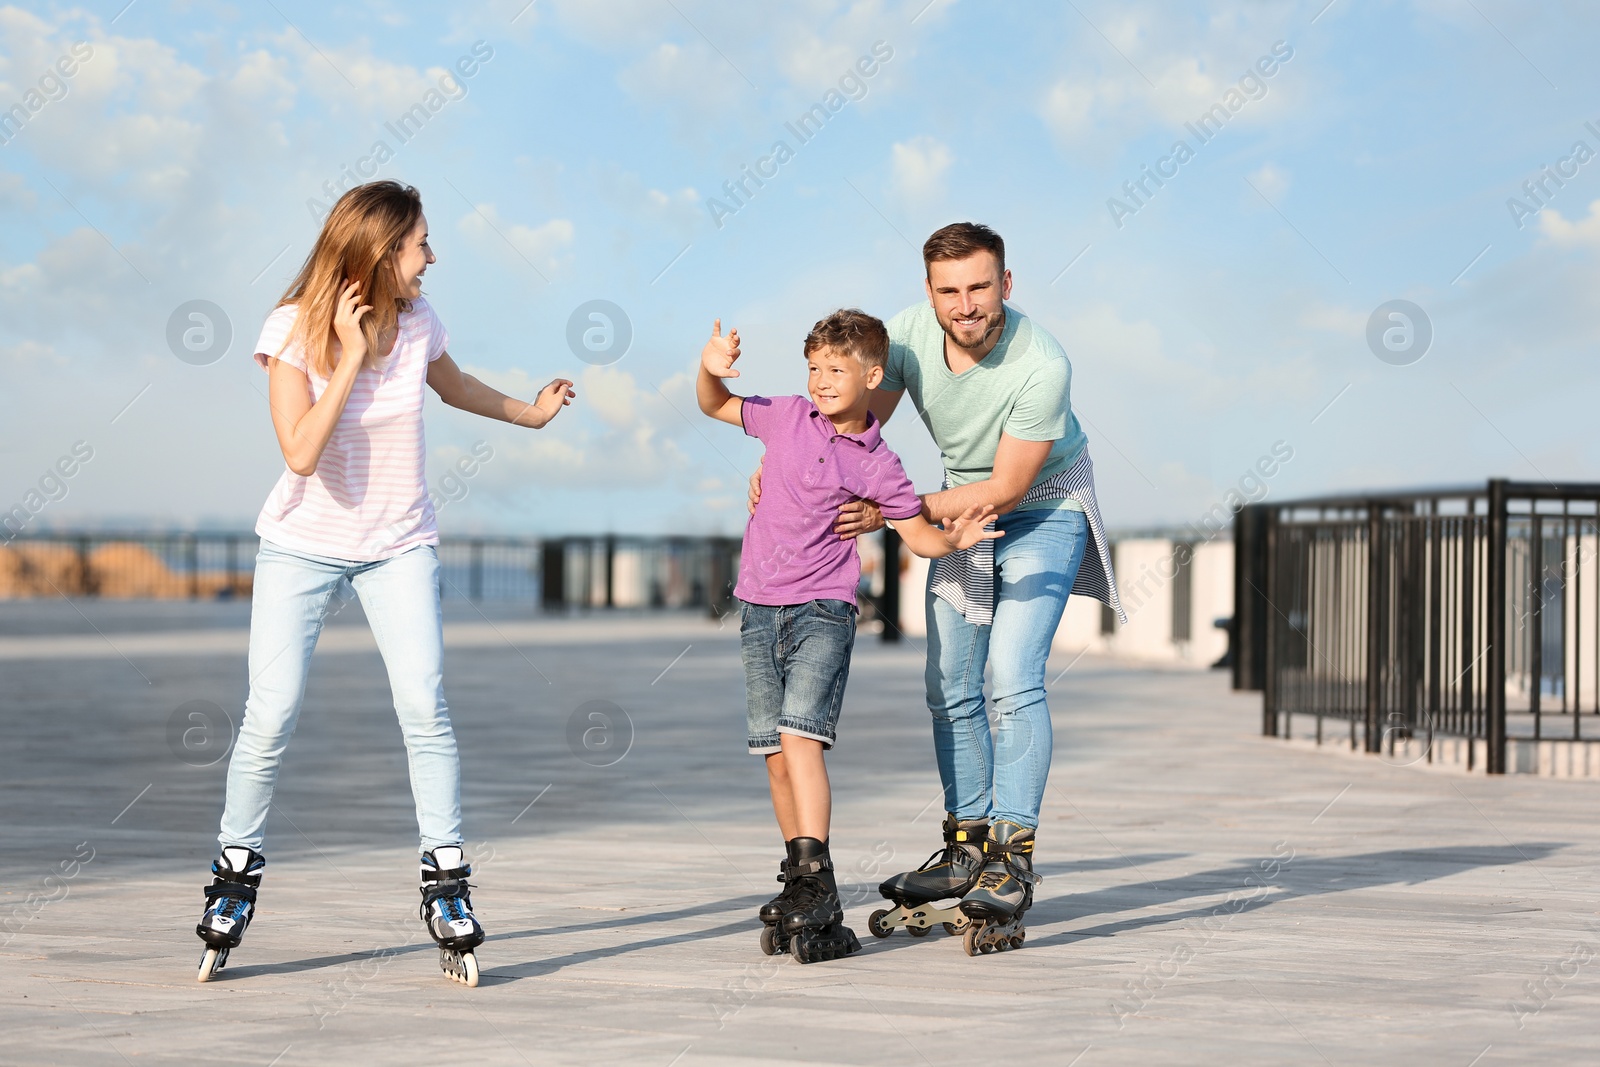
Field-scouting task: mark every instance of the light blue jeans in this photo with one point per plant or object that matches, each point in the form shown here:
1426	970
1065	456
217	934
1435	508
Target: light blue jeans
401	598
1036	562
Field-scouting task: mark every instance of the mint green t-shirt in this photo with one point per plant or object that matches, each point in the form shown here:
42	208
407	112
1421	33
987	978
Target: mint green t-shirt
1023	387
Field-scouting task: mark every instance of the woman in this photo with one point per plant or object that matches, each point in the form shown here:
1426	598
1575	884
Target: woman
349	349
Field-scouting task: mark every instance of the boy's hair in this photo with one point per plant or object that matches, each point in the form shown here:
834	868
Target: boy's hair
854	331
962	239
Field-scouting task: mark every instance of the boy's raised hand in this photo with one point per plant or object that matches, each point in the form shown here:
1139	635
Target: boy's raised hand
720	353
967	529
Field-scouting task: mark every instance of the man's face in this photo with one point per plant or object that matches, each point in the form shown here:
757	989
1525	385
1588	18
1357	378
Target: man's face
966	295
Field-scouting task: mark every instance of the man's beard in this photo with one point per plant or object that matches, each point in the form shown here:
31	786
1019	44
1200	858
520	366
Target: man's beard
992	326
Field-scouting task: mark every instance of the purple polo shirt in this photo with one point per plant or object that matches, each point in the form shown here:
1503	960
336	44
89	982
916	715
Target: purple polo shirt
791	554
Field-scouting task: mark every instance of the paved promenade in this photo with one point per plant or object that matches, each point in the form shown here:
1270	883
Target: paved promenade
1210	897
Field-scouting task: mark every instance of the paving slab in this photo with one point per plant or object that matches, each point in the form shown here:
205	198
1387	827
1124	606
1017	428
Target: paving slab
1209	897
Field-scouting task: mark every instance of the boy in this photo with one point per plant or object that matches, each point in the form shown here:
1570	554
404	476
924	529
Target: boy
797	582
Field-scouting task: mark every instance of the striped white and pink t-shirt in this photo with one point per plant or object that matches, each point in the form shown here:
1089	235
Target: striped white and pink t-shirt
368	499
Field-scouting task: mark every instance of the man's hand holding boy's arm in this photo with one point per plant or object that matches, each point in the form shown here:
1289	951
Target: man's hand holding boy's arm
963	531
716	363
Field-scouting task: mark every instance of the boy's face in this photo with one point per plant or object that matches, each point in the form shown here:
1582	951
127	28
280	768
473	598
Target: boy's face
838	382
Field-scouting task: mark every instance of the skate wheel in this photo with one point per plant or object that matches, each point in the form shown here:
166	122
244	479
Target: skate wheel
459	966
919	931
1016	942
771	943
212	962
800	948
875	924
970	940
986	948
956	929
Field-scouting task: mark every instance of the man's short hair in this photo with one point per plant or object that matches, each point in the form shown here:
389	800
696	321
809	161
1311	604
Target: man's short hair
962	239
854	331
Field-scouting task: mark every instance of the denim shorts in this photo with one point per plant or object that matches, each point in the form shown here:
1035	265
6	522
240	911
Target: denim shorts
796	662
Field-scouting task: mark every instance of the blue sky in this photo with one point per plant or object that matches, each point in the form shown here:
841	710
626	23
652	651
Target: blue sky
585	159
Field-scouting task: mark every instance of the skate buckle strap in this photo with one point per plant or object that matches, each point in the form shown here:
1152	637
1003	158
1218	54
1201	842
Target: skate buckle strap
236	890
448	875
813	867
232	877
991	847
455	888
1003	851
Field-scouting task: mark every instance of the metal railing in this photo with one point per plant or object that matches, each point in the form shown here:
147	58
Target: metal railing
555	573
1470	613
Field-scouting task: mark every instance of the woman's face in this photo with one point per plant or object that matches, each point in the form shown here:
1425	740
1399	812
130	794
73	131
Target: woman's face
412	258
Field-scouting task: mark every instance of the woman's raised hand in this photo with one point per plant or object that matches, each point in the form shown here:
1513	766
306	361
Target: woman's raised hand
552	398
347	315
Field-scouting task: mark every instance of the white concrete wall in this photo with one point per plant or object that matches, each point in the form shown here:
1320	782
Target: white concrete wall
628	587
1144	570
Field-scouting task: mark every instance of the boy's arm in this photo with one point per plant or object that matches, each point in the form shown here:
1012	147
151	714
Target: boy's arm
930	542
716	363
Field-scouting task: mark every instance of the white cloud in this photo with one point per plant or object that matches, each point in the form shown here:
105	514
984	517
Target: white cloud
634	446
1167	68
542	246
1272	181
919	166
692	76
1347	322
1558	231
30	354
1075	109
14	193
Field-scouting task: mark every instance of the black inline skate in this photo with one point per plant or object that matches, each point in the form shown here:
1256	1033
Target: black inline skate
447	909
948	873
1004	892
813	925
772	912
230	905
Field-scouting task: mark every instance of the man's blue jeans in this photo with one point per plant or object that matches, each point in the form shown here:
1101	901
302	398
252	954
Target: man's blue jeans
1037	561
401	599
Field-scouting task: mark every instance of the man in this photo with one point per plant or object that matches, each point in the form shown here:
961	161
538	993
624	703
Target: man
994	390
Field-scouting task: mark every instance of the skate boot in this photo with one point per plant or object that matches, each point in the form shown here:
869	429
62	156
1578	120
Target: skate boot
773	911
947	874
447	909
230	905
814	923
1004	892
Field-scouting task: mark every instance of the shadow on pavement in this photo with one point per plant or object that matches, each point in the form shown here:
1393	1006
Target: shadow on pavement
1296	877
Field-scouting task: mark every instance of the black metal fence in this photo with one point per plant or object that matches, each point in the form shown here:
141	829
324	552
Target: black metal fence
1468	613
555	573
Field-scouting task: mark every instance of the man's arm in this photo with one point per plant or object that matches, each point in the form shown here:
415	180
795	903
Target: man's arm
1017	464
882	403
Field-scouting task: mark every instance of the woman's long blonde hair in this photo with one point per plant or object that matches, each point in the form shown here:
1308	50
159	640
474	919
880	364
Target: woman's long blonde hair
357	243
